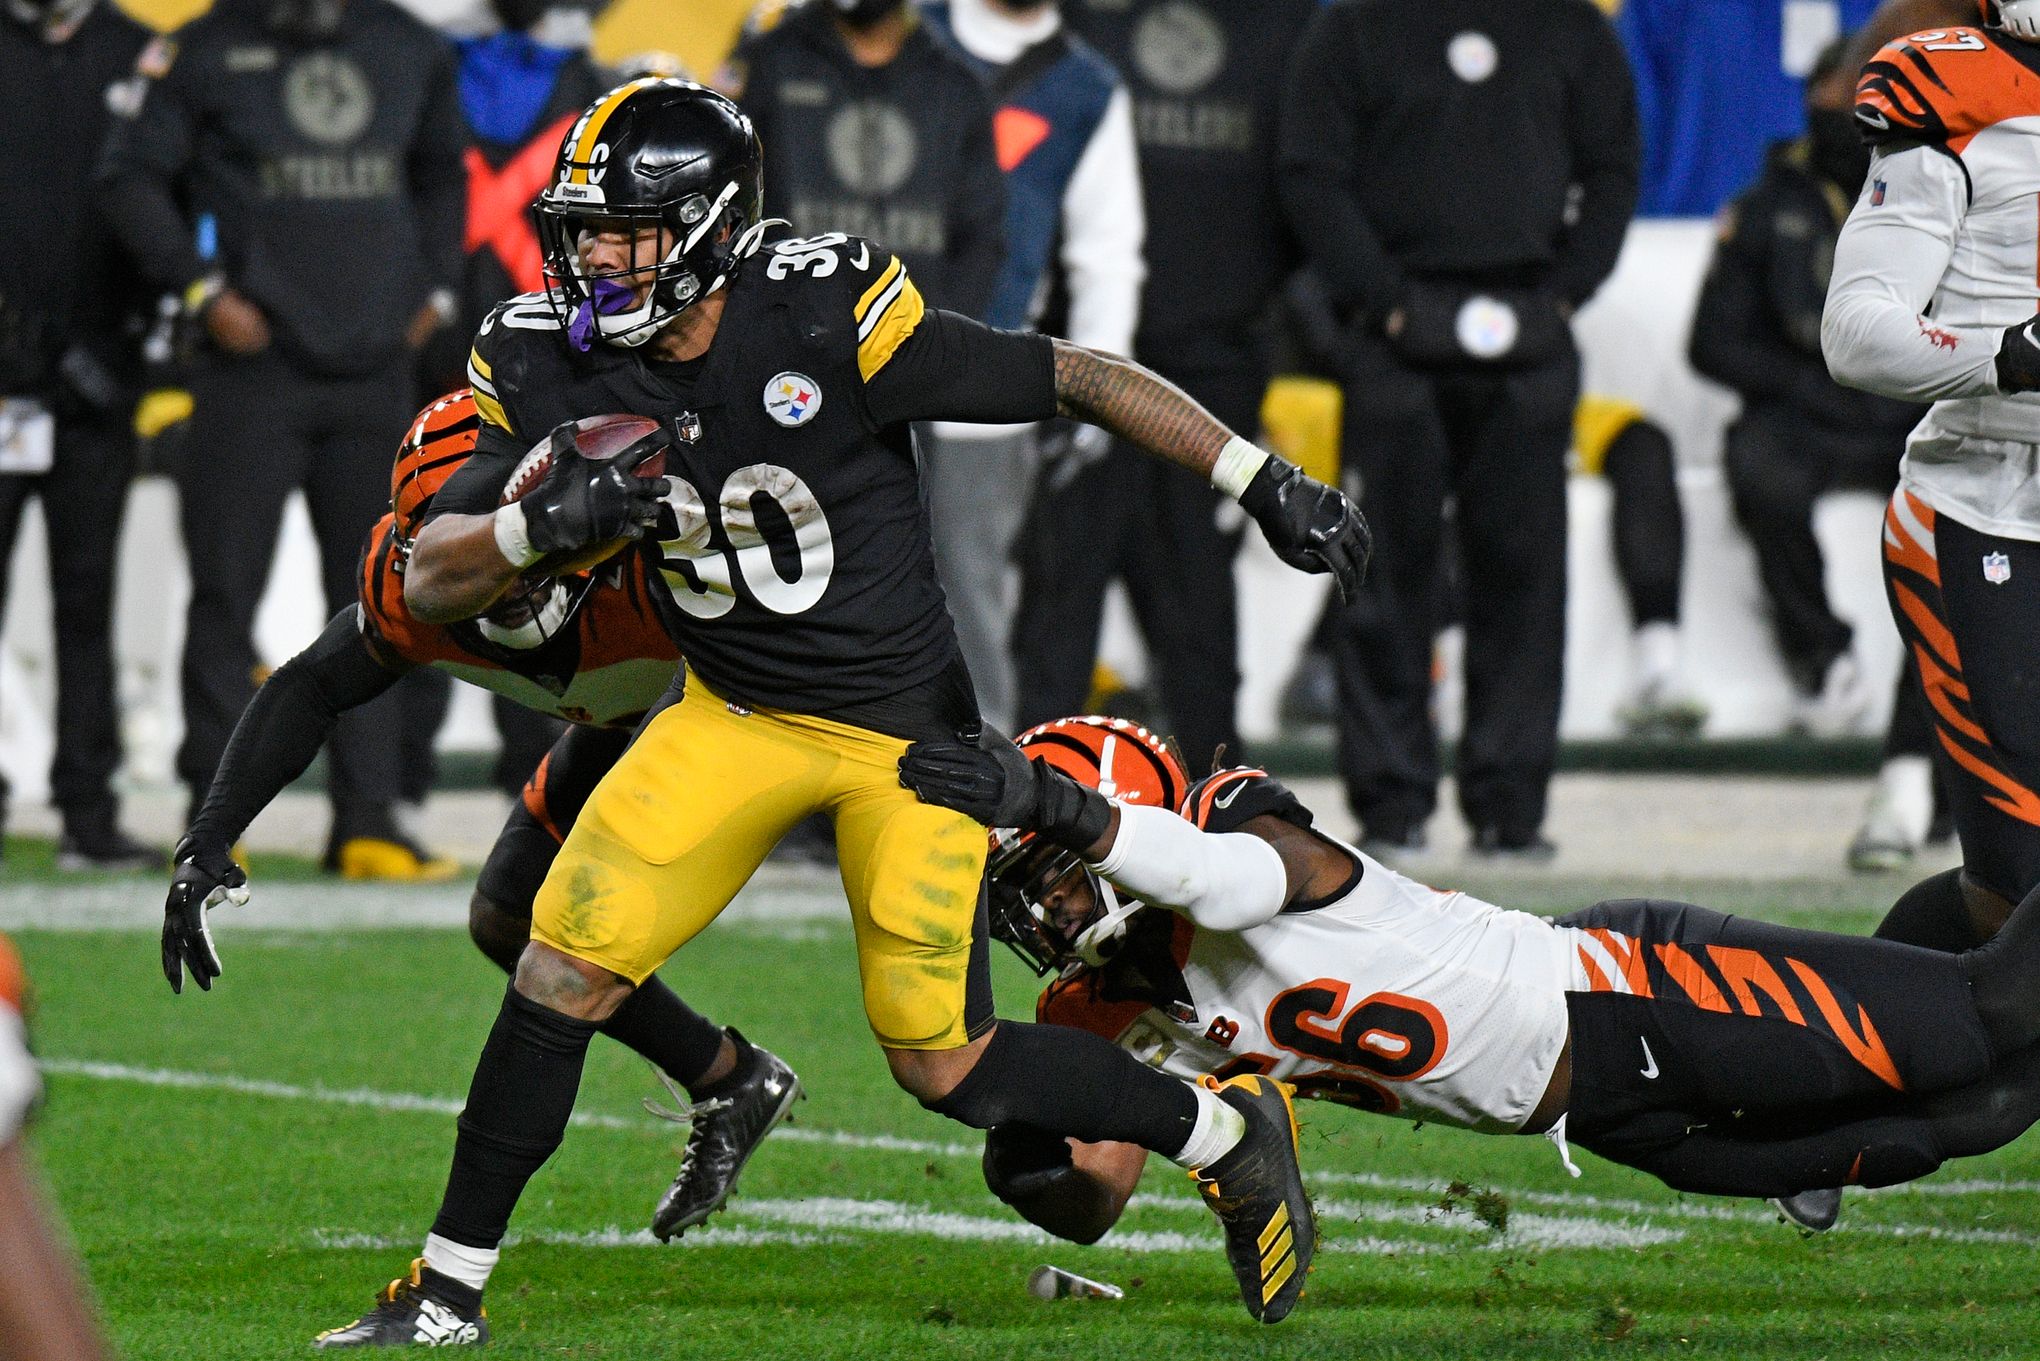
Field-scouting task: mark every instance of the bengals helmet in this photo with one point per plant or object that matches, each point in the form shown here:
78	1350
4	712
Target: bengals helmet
440	440
1036	903
655	153
2019	18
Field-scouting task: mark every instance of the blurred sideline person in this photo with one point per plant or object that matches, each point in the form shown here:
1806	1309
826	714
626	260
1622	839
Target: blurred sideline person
1224	936
45	1314
69	373
1062	128
1205	80
1931	300
586	651
1461	177
795	572
878	129
521	87
1756	330
293	172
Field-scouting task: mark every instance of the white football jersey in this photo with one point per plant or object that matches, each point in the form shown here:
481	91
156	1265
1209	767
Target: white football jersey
1395	997
1939	256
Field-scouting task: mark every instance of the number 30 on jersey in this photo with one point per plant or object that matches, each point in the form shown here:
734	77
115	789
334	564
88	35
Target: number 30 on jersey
775	540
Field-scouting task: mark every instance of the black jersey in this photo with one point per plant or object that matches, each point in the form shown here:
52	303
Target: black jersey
801	575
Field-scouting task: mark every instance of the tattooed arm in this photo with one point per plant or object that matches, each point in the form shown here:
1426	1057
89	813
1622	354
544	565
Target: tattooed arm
1311	526
951	368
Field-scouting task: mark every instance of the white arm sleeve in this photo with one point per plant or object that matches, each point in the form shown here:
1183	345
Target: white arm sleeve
19	1084
1889	262
1226	881
1104	227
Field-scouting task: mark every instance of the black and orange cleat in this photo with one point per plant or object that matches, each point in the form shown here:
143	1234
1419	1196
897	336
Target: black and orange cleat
1256	1190
423	1309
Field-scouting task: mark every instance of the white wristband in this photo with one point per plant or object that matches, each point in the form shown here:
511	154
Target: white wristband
513	541
1237	463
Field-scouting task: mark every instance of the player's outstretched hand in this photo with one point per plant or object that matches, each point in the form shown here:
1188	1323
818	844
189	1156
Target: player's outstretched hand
582	504
986	778
1311	526
2018	358
204	878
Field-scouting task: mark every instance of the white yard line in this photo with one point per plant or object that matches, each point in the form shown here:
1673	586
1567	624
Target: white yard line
827	1215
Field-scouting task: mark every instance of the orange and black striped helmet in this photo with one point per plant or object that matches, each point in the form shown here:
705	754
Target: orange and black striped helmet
1030	878
440	440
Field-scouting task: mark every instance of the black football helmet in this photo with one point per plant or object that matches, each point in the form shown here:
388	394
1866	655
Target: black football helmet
655	152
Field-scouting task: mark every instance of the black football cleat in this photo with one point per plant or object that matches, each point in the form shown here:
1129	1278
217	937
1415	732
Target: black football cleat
725	1131
1256	1190
1813	1211
424	1309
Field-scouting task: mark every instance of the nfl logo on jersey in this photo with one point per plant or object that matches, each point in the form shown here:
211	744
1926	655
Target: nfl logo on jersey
1997	568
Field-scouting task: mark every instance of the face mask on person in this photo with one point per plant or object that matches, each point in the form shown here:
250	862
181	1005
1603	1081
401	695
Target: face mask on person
865	13
1835	148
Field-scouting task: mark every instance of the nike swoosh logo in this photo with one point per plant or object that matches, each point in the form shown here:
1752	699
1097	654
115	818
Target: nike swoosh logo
1225	800
1650	1068
1873	118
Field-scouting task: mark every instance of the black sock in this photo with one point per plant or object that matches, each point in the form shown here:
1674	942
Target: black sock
517	1109
1932	913
2001	974
653	1021
1073	1083
747	1063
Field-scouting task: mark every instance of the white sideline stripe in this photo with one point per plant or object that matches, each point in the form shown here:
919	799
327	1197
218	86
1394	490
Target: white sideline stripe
721	1236
370	1099
1524	1231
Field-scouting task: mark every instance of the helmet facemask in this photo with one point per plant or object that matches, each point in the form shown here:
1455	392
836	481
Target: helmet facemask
534	612
1052	909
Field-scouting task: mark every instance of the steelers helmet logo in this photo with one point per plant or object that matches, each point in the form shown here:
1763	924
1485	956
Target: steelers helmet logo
327	97
871	147
1178	48
792	399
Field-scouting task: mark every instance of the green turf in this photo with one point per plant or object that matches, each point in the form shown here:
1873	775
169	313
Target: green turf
225	1224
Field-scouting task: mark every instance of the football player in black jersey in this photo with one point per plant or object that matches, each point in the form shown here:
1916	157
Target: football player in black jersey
796	575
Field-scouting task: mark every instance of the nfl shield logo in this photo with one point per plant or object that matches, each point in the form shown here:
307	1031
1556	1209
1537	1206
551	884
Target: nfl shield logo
1877	193
688	426
1997	568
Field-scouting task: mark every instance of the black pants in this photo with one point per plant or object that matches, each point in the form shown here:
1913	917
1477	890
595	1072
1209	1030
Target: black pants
1967	605
1493	446
260	430
1170	537
1778	464
1735	1057
84	496
1649	528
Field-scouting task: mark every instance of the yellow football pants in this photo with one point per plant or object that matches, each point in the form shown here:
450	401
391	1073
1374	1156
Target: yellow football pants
688	813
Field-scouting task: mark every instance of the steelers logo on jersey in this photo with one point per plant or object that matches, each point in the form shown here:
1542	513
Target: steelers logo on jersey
792	399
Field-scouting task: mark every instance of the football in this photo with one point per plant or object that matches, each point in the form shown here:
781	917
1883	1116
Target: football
595	439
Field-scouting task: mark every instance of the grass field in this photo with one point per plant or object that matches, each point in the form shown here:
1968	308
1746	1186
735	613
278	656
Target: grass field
245	1167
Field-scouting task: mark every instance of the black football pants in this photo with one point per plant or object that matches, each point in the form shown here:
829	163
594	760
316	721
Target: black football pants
1493	446
1735	1057
84	498
1170	537
261	429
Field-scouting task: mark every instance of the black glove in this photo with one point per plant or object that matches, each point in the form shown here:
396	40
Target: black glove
204	878
2018	358
1311	526
992	781
1022	1162
581	504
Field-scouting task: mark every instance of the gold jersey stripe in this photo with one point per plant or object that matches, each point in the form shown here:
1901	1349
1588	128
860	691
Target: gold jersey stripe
885	331
492	411
876	291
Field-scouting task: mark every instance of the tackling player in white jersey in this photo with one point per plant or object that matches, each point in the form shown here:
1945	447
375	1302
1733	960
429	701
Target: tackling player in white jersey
1936	281
1725	1056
